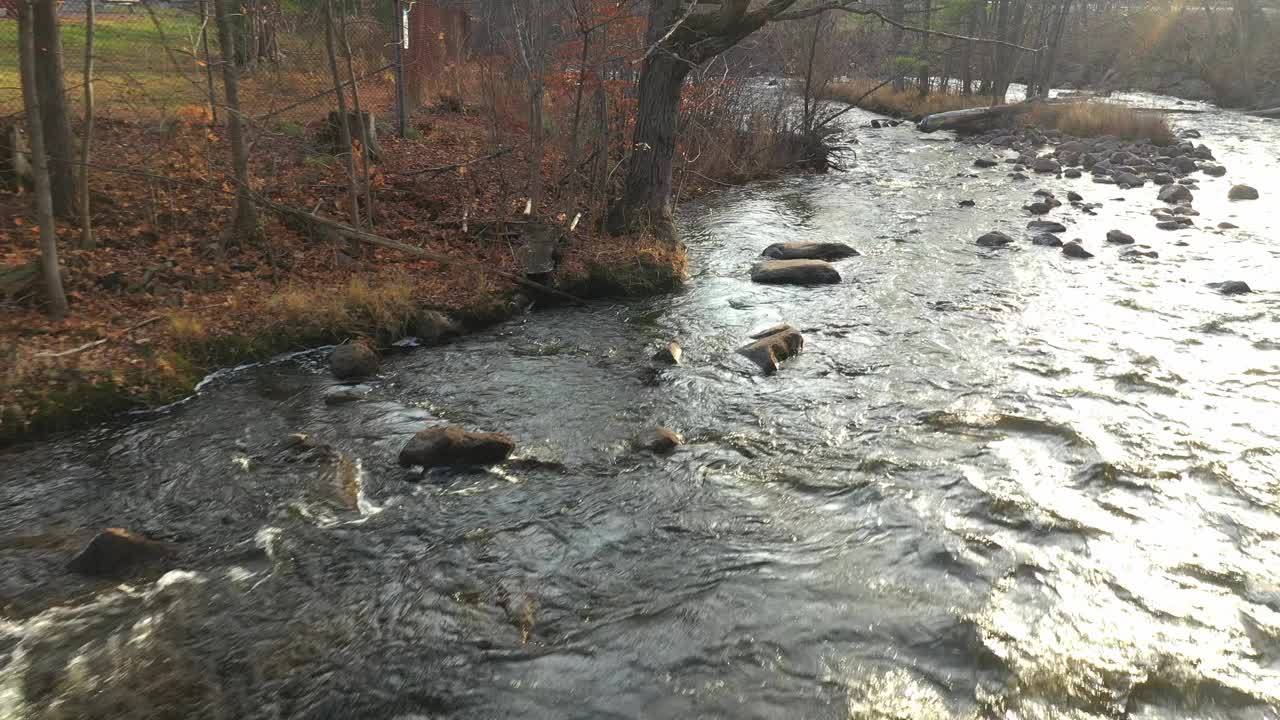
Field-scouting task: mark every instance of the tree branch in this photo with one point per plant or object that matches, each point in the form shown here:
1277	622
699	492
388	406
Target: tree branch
847	6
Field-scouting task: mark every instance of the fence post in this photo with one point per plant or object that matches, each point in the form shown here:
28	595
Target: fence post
401	31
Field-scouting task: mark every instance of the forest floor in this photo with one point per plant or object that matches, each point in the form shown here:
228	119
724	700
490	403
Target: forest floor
163	299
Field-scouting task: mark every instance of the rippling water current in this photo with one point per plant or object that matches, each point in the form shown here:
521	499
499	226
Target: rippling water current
997	484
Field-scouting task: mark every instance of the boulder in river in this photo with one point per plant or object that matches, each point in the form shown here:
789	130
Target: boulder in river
985	163
772	347
115	551
1175	194
995	238
1227	226
1074	249
1072	173
1185	164
1046	226
1047	240
1046	165
1232	287
1039	208
1169	225
967	203
453	446
1128	178
1074	196
809	251
1162	179
353	360
1190	133
669	354
1119	237
659	440
795	272
1214	170
1242	192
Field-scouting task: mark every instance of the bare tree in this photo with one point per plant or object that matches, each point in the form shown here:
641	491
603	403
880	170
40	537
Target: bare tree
366	144
39	161
86	140
531	45
53	105
344	118
246	215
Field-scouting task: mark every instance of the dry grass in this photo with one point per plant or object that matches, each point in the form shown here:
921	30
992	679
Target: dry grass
1093	119
384	308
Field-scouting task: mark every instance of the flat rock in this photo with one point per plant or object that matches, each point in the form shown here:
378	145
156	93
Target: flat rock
454	446
769	351
342	394
795	272
1232	287
115	551
1046	226
809	251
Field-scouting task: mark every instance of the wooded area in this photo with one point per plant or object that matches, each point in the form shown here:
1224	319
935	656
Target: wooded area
157	134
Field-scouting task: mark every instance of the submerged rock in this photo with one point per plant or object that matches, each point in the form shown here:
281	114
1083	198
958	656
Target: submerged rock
995	238
659	440
1119	237
1073	249
353	360
1227	226
772	347
1046	226
115	551
670	354
809	251
1232	287
343	394
985	163
967	203
795	272
1242	192
1132	254
453	446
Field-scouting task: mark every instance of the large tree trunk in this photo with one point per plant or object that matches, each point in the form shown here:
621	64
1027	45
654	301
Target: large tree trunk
53	106
646	199
28	69
246	215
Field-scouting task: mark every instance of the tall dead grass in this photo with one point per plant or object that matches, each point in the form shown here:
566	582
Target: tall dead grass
1094	118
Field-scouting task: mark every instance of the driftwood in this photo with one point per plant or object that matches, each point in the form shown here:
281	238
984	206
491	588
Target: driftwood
1272	113
970	118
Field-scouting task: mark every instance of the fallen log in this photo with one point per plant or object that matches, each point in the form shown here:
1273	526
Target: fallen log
1271	113
346	231
970	118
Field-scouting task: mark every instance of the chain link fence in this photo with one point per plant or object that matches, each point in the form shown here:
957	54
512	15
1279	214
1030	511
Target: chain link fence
155	59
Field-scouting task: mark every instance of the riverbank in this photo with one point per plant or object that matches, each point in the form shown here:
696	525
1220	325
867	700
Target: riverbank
162	300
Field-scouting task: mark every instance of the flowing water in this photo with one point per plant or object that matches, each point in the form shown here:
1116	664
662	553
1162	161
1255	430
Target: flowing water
995	484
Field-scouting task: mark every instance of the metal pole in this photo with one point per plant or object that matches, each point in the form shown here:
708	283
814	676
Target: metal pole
400	38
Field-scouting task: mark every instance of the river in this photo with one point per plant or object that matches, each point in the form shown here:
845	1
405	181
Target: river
997	483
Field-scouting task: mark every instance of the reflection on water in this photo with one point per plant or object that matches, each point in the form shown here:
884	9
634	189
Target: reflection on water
996	484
